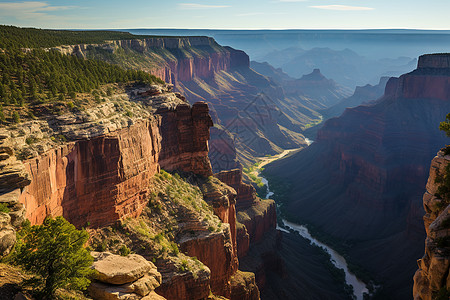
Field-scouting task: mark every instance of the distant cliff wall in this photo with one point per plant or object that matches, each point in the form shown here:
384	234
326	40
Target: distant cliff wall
368	167
174	59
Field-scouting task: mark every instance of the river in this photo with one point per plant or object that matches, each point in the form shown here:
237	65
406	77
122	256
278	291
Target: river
359	288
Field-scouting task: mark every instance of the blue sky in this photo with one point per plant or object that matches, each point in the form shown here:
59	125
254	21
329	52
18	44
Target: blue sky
228	14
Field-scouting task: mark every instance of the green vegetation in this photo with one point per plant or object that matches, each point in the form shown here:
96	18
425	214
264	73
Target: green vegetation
184	266
38	76
12	37
55	252
445	125
261	188
124	250
4	208
444	179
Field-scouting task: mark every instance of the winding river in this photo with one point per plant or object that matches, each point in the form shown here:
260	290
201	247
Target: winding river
359	288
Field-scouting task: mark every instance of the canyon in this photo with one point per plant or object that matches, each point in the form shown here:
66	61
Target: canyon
369	166
253	115
105	173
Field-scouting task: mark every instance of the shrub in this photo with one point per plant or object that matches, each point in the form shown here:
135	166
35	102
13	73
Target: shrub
55	252
184	266
30	140
124	250
158	238
4	208
174	248
16	117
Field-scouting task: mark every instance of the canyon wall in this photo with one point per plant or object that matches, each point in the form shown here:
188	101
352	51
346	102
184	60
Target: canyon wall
433	275
369	167
100	180
177	59
96	181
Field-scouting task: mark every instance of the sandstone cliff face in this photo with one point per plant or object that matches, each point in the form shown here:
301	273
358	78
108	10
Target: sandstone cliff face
433	273
97	181
255	217
185	133
109	176
368	167
106	178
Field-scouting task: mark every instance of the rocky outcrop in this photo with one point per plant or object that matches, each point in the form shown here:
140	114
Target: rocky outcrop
244	286
114	169
368	167
7	234
246	194
217	251
187	285
433	273
185	135
255	217
124	278
434	61
13	176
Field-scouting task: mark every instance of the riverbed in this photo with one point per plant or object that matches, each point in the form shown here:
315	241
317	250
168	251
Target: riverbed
359	287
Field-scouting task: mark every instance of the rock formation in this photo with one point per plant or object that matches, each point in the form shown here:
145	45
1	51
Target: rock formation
433	275
256	223
118	277
115	168
368	167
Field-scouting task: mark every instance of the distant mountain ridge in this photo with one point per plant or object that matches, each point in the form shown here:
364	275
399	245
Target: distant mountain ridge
345	67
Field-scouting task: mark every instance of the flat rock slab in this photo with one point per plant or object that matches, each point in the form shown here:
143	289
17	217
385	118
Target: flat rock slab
10	196
116	269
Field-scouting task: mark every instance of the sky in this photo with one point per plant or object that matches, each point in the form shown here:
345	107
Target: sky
227	14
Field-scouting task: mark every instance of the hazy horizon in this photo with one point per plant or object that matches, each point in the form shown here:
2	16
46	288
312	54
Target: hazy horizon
227	14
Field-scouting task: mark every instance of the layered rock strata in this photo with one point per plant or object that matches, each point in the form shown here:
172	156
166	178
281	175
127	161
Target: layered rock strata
433	275
185	133
105	178
206	59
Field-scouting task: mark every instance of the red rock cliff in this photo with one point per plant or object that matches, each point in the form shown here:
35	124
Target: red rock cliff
174	61
255	216
433	273
102	179
185	135
96	181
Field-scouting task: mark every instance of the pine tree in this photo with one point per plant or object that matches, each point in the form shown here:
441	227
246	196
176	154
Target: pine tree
54	251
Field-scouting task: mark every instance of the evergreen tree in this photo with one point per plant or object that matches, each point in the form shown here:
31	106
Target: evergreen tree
54	251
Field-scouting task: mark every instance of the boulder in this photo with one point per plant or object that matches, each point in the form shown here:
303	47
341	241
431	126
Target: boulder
115	269
124	277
